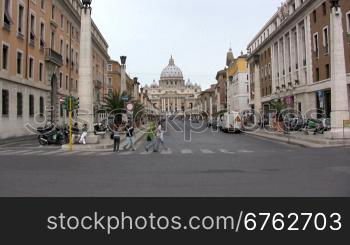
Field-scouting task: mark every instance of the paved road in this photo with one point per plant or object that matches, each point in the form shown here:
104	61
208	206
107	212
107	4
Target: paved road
211	164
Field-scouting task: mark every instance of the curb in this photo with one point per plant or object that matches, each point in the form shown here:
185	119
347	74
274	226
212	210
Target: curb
293	141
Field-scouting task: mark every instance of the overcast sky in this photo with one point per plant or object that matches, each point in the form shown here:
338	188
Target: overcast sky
197	33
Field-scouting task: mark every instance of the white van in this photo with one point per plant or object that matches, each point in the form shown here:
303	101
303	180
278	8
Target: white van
230	122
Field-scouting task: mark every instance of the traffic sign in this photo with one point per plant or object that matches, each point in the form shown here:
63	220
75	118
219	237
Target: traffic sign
125	98
130	107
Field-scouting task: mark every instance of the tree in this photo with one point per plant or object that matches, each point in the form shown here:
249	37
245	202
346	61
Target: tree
113	102
278	106
138	112
114	105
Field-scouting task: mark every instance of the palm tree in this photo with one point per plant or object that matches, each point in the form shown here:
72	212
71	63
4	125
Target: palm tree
138	112
113	102
278	106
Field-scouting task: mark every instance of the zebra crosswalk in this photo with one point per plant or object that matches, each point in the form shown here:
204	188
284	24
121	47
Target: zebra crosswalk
64	153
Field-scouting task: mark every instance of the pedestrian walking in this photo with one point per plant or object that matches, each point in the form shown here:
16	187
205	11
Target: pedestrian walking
116	138
162	140
129	138
84	135
151	139
158	137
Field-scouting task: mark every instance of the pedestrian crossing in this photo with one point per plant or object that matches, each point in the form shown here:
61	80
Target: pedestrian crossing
65	153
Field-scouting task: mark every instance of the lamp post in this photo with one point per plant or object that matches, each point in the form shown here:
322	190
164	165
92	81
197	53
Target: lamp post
123	88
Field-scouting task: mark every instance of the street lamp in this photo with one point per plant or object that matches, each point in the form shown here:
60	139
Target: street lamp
123	60
335	4
86	3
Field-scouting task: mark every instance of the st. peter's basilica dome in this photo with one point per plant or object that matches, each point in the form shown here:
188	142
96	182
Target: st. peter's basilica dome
171	71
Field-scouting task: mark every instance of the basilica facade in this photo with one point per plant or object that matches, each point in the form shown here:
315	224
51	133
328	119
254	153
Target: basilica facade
172	94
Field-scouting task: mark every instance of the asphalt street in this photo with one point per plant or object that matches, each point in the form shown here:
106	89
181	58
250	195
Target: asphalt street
207	164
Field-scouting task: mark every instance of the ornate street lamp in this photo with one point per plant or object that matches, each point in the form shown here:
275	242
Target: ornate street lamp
335	4
123	60
86	3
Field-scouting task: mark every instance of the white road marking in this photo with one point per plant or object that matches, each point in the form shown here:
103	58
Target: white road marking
168	152
69	153
226	151
107	153
145	153
32	153
205	151
52	153
186	151
245	151
87	153
126	153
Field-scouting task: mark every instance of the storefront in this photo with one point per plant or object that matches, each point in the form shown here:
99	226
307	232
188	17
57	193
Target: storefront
324	103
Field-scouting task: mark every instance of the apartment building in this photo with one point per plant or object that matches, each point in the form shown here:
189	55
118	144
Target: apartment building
237	84
290	58
39	62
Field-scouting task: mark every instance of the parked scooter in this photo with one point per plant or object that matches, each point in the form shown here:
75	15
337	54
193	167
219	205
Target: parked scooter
52	136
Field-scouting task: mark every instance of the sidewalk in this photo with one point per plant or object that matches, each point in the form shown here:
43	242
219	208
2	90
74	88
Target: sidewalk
106	144
18	139
300	138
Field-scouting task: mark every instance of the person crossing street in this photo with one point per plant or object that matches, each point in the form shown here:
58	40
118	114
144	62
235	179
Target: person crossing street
129	138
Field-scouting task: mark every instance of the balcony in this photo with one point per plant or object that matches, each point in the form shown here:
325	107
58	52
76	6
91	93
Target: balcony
53	57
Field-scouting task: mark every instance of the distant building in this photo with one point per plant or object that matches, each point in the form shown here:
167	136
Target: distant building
172	94
238	84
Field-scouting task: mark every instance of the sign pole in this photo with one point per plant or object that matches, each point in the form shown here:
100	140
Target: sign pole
70	125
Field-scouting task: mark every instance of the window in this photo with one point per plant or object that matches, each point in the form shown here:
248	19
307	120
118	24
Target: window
316	47
19	63
31	68
53	40
348	21
5	56
42	35
326	40
317	74
109	67
7	14
314	14
20	19
42	4
41	106
31	105
66	82
19	104
61	79
61	47
62	21
5	102
41	71
328	71
32	29
53	12
324	8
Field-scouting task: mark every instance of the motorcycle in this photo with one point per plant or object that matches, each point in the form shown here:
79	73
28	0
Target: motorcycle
53	136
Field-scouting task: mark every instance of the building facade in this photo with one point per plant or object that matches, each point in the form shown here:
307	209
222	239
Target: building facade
290	59
238	84
172	94
40	62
